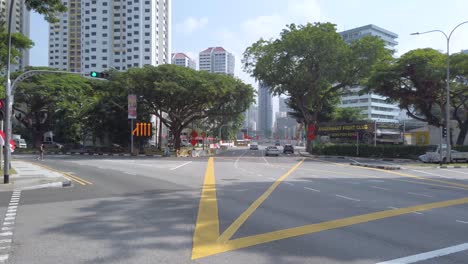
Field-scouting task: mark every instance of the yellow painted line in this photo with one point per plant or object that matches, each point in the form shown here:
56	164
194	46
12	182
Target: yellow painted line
67	175
319	227
207	227
231	230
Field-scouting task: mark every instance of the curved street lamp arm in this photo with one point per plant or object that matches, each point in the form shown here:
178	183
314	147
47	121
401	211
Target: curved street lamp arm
430	31
456	28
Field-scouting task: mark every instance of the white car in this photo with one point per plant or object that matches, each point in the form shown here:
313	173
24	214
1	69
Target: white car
253	146
272	150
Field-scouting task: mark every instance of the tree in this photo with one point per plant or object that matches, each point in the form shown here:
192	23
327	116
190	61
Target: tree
417	81
311	63
56	102
48	8
18	42
347	115
186	95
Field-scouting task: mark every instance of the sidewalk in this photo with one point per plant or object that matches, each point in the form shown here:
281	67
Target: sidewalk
30	175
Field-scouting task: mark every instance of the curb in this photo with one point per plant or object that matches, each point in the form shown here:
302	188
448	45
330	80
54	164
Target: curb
382	167
452	167
59	184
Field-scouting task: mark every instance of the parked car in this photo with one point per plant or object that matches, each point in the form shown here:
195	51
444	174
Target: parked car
254	146
272	150
52	145
277	143
288	148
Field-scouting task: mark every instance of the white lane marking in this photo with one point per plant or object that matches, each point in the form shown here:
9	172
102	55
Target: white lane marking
5	228
11	210
428	255
380	188
186	163
12	207
355	161
236	164
376	180
288	183
419	213
347	198
463	222
420	194
130	173
13	204
6	234
266	161
9	218
260	175
5	240
3	258
10	214
307	188
457	171
8	223
4	248
391	207
428	173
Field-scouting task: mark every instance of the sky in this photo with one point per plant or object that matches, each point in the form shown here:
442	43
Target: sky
235	25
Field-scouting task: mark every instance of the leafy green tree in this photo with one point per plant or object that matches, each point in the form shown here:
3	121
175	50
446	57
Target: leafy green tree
417	81
312	63
48	8
347	115
19	42
56	102
186	95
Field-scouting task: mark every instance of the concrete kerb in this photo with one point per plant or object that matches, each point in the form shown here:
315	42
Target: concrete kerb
383	167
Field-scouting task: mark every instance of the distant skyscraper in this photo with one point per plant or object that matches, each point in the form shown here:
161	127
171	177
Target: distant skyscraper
21	24
265	110
465	51
251	116
183	60
99	35
373	106
216	60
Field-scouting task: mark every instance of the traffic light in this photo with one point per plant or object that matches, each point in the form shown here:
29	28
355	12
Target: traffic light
444	132
102	75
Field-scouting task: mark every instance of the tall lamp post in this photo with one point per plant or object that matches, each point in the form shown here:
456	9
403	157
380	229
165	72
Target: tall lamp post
447	105
6	172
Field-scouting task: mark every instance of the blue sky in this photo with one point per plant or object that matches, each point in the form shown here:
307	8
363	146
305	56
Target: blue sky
237	24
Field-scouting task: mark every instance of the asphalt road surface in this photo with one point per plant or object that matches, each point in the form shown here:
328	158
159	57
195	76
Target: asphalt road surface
241	207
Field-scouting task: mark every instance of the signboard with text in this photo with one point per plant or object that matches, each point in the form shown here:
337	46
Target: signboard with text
132	106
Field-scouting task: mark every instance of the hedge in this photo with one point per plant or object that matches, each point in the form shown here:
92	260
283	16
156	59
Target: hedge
379	151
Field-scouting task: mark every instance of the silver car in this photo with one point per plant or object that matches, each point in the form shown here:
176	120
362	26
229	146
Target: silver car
272	150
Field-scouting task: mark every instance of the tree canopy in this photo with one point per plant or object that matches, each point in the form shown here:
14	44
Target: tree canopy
185	95
312	64
417	81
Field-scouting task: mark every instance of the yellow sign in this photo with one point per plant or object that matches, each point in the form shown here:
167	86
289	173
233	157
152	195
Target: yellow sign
142	130
422	137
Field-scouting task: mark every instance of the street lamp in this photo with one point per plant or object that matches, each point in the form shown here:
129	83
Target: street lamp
447	106
6	173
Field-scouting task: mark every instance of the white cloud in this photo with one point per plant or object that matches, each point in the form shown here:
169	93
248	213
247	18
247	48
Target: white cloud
192	24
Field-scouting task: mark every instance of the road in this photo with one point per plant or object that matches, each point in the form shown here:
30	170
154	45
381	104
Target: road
242	207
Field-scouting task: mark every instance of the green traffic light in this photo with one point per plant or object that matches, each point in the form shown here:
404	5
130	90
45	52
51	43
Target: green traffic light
93	74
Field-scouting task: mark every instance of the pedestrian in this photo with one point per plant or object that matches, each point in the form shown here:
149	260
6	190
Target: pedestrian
41	152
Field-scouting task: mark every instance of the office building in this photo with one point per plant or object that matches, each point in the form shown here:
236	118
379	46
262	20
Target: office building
373	106
181	59
265	110
100	35
21	24
216	60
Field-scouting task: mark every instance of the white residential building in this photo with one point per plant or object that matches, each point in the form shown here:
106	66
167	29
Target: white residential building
181	59
373	106
216	60
21	24
100	35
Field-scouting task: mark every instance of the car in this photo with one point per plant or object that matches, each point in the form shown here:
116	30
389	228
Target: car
288	148
272	150
52	145
277	143
254	146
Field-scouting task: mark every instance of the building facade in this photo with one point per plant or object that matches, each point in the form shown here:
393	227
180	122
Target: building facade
265	110
372	106
100	35
216	60
21	24
181	59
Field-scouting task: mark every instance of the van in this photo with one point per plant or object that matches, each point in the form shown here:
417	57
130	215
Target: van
20	143
254	146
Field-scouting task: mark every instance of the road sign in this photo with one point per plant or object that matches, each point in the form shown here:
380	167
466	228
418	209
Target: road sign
193	142
194	134
142	129
203	134
132	106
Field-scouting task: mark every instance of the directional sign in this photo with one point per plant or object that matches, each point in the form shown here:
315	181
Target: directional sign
193	142
142	129
194	134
